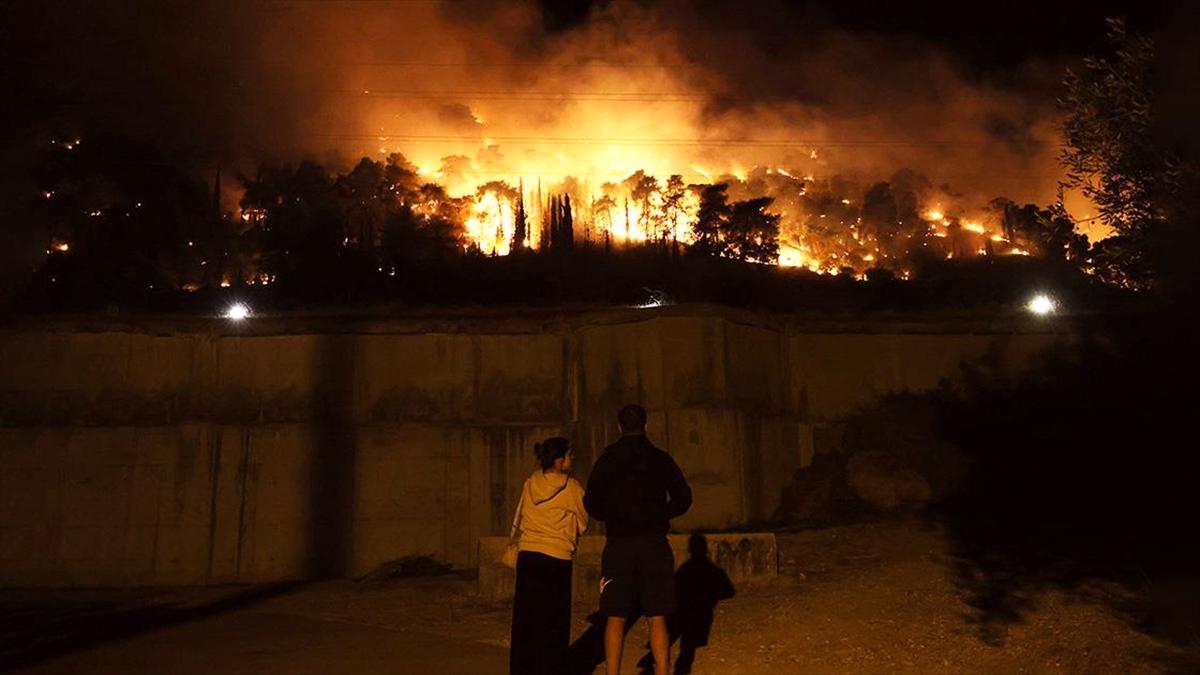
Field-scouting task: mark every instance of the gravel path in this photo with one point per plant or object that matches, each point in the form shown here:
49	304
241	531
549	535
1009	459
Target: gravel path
867	598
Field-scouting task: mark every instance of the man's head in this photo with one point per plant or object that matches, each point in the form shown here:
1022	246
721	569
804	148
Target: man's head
632	419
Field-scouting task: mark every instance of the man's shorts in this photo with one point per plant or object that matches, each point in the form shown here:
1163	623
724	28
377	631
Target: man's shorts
637	577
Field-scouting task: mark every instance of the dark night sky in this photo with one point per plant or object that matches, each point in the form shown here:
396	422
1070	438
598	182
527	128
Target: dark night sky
990	36
62	54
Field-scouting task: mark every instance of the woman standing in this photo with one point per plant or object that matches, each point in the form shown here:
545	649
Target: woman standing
550	519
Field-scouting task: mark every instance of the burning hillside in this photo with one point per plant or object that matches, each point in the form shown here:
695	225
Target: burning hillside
872	153
767	215
358	136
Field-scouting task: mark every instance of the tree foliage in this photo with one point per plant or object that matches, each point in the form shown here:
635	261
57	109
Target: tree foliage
1114	155
753	232
743	230
1048	232
712	220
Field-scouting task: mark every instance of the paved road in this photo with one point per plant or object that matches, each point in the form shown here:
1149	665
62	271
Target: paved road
254	641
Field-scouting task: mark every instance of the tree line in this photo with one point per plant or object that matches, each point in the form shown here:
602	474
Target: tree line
120	231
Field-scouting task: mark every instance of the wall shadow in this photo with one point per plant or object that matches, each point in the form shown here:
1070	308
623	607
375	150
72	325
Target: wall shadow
331	491
32	632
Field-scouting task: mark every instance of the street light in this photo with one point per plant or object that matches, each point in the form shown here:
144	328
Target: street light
1041	304
237	312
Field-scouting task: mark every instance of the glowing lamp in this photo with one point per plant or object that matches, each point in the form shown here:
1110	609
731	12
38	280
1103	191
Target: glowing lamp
237	312
1041	304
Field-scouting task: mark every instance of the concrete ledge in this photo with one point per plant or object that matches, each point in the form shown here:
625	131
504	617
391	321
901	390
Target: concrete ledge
746	557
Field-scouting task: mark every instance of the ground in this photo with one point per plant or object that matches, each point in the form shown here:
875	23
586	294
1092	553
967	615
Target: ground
873	597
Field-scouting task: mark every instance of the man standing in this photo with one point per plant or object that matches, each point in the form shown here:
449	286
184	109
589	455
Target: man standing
636	489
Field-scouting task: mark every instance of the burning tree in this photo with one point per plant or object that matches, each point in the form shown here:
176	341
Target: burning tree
520	221
712	220
753	232
560	227
1046	232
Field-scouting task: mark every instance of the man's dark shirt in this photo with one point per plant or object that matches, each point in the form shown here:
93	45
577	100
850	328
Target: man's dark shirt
636	489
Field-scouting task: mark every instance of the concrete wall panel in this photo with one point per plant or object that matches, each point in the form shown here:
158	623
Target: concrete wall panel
419	377
754	356
139	458
832	375
708	448
622	363
693	361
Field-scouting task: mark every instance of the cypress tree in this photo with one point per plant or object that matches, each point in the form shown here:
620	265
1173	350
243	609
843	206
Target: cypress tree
522	223
567	224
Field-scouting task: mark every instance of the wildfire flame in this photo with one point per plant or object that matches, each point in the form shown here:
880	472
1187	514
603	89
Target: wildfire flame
617	118
643	209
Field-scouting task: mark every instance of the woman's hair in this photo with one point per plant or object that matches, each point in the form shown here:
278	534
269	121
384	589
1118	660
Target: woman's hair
551	449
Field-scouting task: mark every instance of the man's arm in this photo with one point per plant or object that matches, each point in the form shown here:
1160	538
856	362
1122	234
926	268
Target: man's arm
595	497
679	494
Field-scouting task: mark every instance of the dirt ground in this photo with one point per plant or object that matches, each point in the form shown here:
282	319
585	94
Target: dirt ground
867	598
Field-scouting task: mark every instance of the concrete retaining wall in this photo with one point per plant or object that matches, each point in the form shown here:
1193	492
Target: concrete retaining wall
195	452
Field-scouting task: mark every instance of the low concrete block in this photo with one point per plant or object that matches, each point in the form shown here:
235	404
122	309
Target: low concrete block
745	557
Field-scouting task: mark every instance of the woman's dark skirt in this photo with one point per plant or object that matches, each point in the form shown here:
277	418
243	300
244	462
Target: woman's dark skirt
541	626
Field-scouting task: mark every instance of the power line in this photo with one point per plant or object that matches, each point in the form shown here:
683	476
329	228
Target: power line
483	138
648	96
359	2
655	142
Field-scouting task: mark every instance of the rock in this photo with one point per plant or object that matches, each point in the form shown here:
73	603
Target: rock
811	492
883	481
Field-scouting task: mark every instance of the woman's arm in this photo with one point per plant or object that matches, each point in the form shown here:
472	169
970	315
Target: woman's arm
577	507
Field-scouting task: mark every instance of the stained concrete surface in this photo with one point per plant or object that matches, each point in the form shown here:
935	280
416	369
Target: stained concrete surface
177	452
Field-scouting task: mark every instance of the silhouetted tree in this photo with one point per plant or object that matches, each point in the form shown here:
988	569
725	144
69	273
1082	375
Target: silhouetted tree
561	226
1114	155
365	193
673	197
552	225
521	222
712	219
1047	232
909	189
602	211
303	232
642	190
566	224
753	232
880	216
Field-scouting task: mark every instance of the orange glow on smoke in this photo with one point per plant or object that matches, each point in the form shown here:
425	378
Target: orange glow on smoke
607	113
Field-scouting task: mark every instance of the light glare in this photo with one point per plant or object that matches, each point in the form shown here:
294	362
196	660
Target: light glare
1041	304
237	312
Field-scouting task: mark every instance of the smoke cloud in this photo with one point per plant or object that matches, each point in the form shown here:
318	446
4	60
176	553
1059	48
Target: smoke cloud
702	89
697	88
